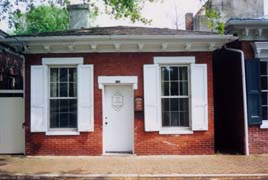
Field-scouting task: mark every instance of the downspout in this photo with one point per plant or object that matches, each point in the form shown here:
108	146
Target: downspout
244	97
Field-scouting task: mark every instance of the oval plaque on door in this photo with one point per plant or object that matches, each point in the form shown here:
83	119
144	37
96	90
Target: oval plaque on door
117	101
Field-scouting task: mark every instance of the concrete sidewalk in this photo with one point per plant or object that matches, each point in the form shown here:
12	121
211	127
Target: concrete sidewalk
135	167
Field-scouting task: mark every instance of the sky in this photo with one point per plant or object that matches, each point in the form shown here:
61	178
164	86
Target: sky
162	13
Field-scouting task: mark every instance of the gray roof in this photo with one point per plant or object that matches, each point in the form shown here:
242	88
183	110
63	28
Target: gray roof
247	21
118	30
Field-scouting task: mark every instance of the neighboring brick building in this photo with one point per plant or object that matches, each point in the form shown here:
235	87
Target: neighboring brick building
85	90
253	41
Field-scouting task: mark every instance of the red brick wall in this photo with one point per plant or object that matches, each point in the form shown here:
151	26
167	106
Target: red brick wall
146	143
258	138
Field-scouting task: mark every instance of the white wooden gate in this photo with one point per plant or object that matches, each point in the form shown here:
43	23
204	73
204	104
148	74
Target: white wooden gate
12	135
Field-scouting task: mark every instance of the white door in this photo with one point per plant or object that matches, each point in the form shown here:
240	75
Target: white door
118	119
12	138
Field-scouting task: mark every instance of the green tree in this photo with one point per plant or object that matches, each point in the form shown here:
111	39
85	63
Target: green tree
11	10
43	18
214	20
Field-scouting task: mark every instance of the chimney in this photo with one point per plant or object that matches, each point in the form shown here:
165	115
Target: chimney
78	16
189	21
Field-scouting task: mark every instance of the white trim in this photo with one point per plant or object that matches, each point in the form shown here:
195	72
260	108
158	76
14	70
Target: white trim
174	60
63	61
124	43
11	91
118	80
264	124
62	133
175	131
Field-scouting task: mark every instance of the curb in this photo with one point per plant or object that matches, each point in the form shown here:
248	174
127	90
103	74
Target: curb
19	176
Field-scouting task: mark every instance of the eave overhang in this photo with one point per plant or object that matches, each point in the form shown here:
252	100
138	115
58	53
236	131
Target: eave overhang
248	30
118	43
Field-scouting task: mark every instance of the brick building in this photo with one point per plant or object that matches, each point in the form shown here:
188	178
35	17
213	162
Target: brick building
245	99
93	91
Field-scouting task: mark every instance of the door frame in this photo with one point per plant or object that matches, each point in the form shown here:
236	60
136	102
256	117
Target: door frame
116	81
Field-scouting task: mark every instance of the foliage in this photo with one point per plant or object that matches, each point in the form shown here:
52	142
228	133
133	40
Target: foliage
43	18
214	20
10	10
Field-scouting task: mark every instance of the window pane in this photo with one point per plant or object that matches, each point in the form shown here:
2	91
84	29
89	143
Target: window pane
183	88
54	105
53	74
72	120
72	105
264	66
264	85
54	90
175	119
165	88
72	75
184	119
174	104
265	113
174	73
264	98
183	73
72	89
174	88
165	119
54	120
165	73
63	89
184	104
63	74
64	120
165	104
64	106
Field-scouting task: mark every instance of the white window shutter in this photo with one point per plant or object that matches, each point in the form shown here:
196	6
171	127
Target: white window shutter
39	98
199	97
85	98
152	111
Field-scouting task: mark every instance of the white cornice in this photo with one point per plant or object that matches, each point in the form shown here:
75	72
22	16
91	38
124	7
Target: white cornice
260	49
122	43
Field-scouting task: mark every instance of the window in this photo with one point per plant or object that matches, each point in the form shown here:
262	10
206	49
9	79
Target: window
175	96
264	88
63	97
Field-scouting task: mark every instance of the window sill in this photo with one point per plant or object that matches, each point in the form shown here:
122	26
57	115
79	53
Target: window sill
264	125
62	133
176	131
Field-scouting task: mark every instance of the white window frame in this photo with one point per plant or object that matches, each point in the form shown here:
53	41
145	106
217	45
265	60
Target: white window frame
60	62
264	124
176	61
50	98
